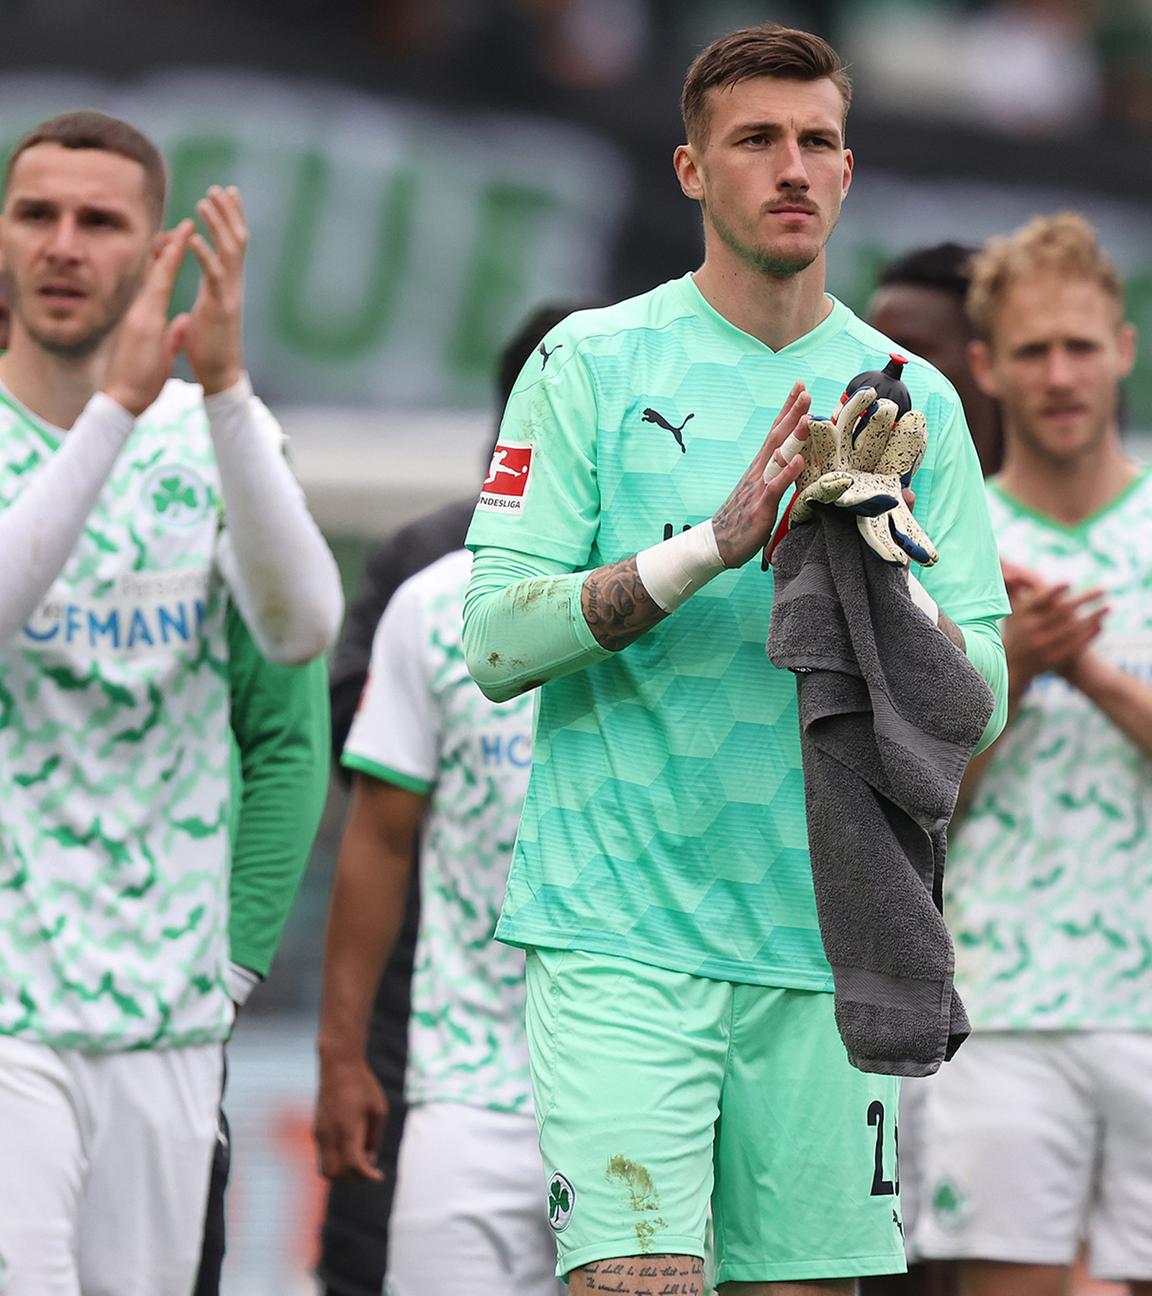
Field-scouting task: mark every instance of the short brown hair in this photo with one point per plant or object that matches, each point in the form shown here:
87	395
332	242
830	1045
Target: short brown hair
1065	243
767	50
96	130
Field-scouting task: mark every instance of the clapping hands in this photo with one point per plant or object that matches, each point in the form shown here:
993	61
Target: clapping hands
1050	627
147	343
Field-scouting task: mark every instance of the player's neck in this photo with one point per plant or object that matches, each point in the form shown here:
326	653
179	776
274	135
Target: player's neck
55	388
1066	491
777	311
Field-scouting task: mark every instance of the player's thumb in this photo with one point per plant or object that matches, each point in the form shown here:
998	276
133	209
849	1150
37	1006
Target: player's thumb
176	335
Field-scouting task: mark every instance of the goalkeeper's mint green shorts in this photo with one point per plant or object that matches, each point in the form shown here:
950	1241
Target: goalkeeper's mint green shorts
658	1093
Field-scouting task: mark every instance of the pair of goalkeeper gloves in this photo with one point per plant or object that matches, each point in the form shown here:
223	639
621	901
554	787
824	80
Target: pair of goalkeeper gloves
861	461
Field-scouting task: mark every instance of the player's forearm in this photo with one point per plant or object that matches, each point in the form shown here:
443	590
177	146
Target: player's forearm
617	606
285	785
40	528
985	650
368	900
279	719
1014	691
1125	700
277	564
524	623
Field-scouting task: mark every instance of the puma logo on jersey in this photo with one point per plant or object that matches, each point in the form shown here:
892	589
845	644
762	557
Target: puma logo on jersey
654	416
546	355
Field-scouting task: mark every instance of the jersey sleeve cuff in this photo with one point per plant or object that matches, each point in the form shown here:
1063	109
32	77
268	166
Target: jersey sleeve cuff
232	399
362	765
240	981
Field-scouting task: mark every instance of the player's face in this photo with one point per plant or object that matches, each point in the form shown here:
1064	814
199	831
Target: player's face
930	322
1059	352
772	174
75	236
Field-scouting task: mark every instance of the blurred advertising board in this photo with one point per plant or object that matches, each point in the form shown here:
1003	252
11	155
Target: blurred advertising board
394	247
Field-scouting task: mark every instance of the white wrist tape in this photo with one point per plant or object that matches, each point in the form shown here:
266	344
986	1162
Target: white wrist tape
923	600
674	570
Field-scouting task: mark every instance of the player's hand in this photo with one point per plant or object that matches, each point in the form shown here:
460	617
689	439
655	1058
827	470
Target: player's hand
351	1112
1049	628
743	523
1020	582
214	343
146	342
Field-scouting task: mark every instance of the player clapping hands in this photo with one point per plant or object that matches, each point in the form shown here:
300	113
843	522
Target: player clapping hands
1050	626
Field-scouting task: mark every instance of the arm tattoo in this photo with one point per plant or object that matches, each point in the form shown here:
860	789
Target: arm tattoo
735	509
617	607
657	1275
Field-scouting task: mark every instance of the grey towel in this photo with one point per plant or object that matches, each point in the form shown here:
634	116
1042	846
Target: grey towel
890	712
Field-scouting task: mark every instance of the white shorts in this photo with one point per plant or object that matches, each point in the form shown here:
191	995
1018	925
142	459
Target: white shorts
104	1162
910	1141
470	1213
1033	1142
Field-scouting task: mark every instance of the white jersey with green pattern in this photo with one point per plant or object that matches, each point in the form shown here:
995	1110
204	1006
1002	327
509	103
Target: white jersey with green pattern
114	754
665	817
424	725
1049	882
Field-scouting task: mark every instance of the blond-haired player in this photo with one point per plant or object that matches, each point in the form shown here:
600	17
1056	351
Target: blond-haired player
1040	1131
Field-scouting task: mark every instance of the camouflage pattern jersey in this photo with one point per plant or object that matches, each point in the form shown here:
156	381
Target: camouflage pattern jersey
114	754
1049	882
425	726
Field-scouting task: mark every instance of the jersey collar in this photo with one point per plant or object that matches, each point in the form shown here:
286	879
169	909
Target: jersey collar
1081	528
47	432
833	323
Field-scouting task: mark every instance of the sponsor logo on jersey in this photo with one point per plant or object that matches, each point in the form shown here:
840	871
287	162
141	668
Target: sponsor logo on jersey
561	1202
500	750
149	611
508	476
176	495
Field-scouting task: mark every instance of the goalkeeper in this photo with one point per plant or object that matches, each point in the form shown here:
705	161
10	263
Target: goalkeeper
680	1027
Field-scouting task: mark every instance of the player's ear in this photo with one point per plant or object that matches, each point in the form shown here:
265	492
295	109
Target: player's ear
980	362
1126	338
688	172
849	163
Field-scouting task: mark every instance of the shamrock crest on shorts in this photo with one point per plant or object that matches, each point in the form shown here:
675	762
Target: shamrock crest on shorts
561	1200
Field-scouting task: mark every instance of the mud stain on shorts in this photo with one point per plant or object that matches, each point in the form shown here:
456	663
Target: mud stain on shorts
642	1196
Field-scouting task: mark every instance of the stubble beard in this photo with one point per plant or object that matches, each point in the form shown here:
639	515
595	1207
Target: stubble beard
87	344
1055	457
770	262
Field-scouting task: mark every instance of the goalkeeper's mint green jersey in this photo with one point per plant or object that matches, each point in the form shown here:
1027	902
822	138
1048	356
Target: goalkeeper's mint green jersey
1049	883
664	820
114	754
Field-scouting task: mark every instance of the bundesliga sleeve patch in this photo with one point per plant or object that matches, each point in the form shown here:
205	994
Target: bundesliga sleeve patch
507	481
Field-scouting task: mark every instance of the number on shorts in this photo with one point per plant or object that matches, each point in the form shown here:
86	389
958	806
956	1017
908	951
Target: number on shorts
882	1187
